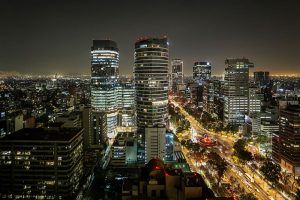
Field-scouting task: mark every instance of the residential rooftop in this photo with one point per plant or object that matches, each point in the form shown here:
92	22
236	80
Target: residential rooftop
42	134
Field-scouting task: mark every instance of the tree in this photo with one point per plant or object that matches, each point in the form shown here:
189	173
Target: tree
239	145
298	195
271	171
285	177
262	139
219	165
248	196
241	152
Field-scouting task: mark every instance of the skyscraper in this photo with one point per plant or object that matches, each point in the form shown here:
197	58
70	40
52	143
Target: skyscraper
151	84
201	71
151	81
236	90
104	79
201	74
285	147
176	73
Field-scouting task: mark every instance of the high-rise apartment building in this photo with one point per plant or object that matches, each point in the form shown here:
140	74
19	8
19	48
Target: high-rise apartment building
104	80
236	90
37	163
151	85
285	147
176	73
201	71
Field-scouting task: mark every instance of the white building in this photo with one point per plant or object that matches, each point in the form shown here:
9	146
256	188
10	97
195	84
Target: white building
155	142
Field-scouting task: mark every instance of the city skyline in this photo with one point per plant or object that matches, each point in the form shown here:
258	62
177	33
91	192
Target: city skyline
53	37
162	99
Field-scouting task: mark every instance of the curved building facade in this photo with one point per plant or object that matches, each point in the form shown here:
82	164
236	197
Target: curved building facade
151	64
104	80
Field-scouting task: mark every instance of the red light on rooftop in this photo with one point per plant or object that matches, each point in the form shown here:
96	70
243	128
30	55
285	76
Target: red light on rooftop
157	167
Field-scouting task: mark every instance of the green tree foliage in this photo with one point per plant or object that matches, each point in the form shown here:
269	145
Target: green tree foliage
248	196
271	171
219	165
298	195
241	152
262	139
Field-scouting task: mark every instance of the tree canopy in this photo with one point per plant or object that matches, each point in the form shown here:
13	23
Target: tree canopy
248	196
271	171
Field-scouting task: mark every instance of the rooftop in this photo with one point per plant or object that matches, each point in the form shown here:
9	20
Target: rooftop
42	134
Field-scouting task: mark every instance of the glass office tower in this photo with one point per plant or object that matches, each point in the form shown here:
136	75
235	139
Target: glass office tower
201	71
104	80
151	81
151	86
176	73
236	90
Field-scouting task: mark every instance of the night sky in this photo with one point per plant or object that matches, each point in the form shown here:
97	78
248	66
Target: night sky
48	37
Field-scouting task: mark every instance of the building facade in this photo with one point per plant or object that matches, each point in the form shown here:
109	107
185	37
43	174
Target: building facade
261	78
255	100
151	67
41	163
104	81
201	71
236	90
126	104
286	144
151	81
176	73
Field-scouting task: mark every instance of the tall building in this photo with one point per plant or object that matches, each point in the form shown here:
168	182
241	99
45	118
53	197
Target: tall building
236	90
104	80
285	147
255	100
262	78
151	61
151	81
201	74
201	71
41	163
126	104
176	73
208	97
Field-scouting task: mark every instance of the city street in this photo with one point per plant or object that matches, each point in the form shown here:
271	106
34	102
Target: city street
247	178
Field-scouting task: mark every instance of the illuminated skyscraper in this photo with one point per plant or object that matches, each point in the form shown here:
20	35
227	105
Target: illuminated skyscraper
201	71
176	73
151	84
104	79
151	81
236	90
201	74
